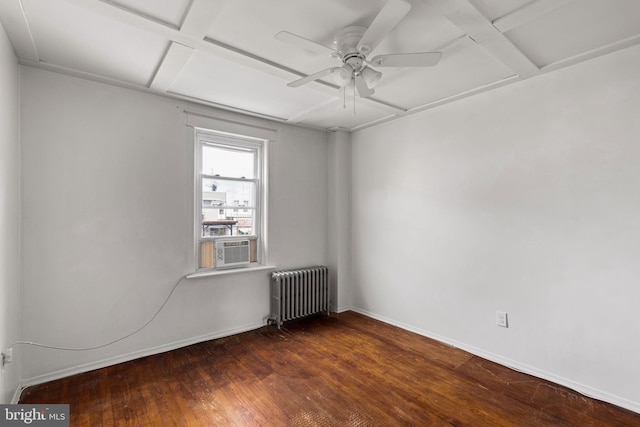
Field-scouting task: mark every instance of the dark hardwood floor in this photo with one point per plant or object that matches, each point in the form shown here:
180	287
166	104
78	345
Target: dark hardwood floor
343	370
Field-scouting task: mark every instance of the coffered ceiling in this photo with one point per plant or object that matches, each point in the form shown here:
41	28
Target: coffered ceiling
224	52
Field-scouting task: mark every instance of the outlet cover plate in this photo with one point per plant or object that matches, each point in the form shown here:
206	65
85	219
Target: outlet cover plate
501	319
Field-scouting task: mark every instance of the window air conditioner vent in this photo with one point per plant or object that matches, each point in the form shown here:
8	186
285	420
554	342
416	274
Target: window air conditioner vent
232	253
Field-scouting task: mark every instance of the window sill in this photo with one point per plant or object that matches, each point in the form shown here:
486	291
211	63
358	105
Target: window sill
209	273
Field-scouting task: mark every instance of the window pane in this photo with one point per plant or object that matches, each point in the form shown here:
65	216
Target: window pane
228	208
227	162
244	218
227	222
218	192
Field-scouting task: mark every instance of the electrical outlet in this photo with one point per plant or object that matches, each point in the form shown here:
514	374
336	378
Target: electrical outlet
7	356
501	319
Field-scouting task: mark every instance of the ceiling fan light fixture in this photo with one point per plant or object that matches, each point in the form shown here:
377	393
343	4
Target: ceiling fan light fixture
342	75
352	44
371	77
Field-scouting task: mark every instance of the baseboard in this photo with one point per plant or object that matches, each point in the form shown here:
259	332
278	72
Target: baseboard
343	309
28	382
16	394
515	365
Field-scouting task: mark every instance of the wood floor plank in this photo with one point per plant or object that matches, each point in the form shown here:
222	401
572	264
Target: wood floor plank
342	370
564	403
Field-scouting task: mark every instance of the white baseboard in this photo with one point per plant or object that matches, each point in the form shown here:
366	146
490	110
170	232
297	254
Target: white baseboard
17	394
515	365
28	382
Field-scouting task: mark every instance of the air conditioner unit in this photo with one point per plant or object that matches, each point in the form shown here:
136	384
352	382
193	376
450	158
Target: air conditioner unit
232	253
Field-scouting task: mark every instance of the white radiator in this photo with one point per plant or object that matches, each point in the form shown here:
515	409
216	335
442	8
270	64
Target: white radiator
298	293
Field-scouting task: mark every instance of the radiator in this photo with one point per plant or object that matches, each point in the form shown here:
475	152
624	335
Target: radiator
298	293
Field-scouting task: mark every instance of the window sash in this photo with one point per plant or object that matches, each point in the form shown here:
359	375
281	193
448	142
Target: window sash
253	209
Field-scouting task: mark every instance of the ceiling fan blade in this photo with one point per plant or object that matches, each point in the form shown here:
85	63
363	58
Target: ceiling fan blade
417	59
363	90
389	16
312	46
312	77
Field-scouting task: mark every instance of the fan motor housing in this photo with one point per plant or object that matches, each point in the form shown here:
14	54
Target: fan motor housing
347	39
354	60
346	42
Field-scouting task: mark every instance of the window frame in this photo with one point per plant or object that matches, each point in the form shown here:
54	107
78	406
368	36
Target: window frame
258	146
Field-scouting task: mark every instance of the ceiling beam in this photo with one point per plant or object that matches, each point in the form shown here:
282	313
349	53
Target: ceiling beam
464	15
200	18
132	18
445	100
174	60
190	33
594	53
144	89
526	13
17	29
297	118
224	107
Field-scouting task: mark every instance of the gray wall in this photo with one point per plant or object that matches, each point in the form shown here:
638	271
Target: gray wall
340	219
525	199
108	217
9	215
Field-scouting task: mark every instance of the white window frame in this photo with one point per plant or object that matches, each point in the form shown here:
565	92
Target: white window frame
202	137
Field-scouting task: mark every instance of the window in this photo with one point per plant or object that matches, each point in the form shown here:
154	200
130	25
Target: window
229	168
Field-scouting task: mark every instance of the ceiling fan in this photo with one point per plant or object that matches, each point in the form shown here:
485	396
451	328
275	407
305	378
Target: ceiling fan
354	43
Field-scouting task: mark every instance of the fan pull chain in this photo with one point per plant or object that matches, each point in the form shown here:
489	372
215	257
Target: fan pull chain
344	97
354	99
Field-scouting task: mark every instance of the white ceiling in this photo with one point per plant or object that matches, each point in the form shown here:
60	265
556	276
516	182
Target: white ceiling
223	52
